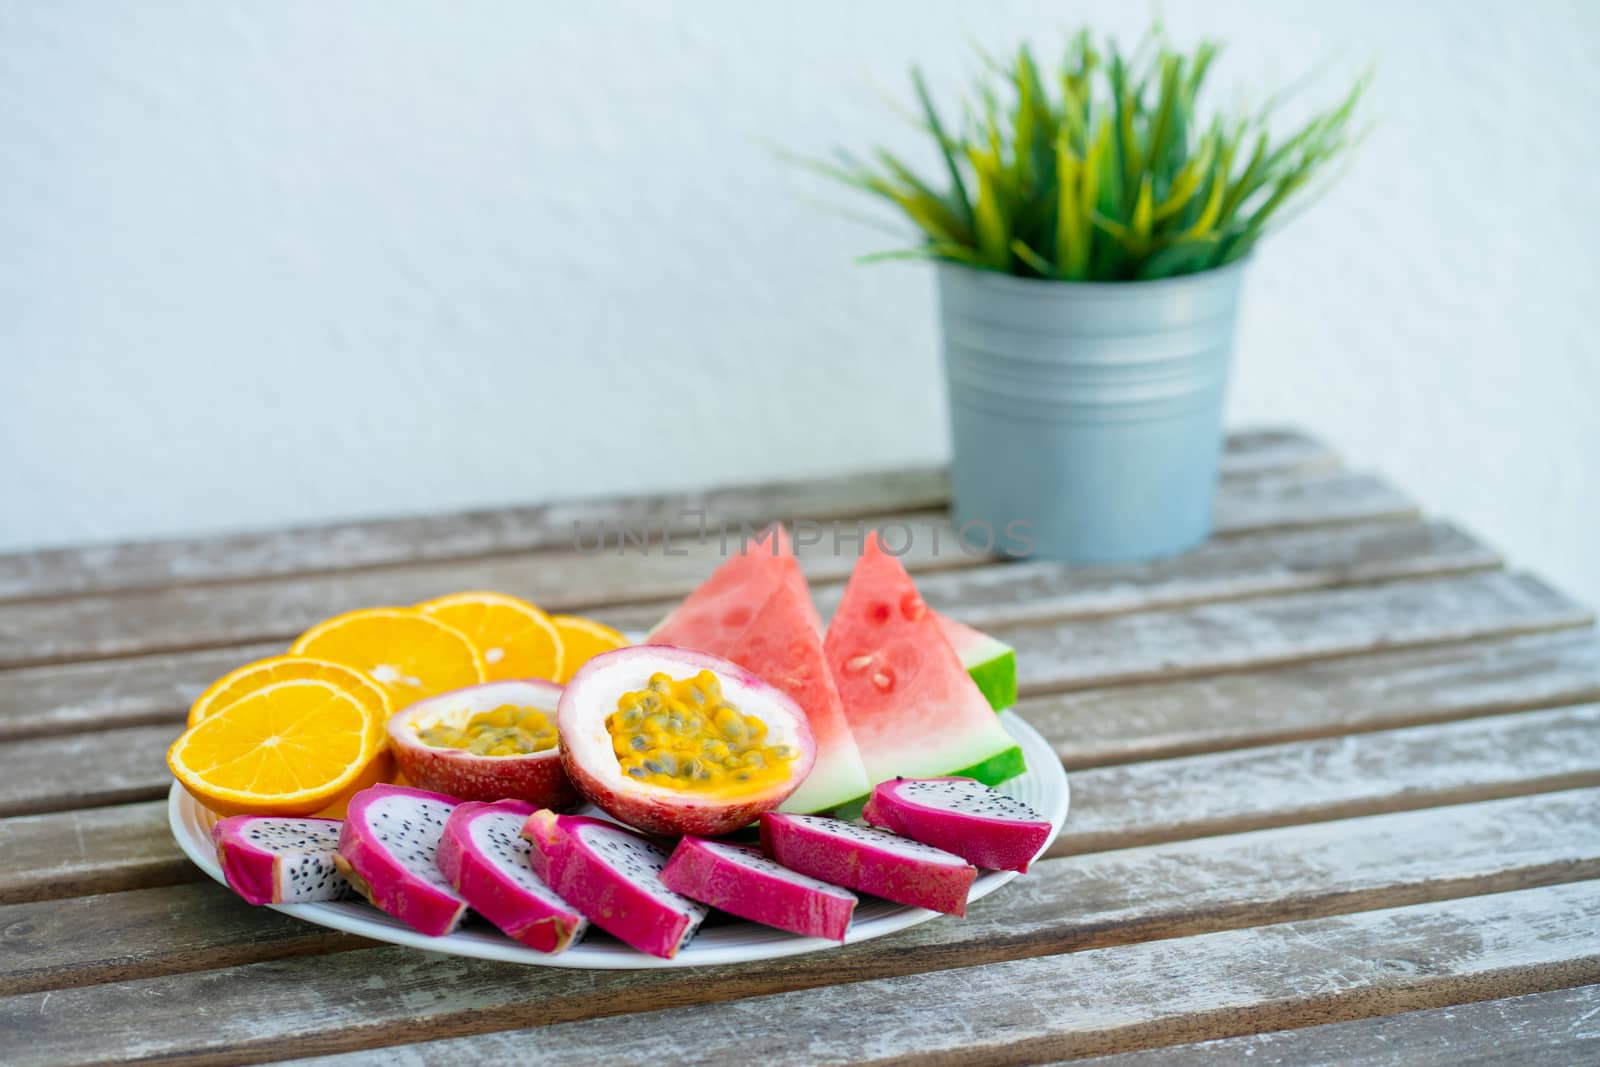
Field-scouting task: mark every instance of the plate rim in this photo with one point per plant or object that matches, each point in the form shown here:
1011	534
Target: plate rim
182	811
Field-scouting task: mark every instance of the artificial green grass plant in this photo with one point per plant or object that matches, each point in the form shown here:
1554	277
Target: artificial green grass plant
1103	170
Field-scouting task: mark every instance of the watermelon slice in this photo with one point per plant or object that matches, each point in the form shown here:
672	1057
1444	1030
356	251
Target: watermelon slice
912	707
756	610
990	661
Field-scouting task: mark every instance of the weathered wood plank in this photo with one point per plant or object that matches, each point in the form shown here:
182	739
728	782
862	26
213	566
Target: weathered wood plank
1336	777
98	850
1299	626
1537	1029
84	770
1025	1010
104	694
210	616
1068	903
1323	698
461	535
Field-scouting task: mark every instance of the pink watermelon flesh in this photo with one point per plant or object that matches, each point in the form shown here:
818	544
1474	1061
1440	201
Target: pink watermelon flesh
990	661
724	606
756	611
911	706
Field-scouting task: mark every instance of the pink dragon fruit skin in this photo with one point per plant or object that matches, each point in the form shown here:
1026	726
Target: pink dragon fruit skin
613	876
269	860
388	849
869	860
981	825
742	881
484	859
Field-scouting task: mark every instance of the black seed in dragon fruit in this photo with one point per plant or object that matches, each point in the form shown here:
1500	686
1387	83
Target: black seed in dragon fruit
271	860
982	825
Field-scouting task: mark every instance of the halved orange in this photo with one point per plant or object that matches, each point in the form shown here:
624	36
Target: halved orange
240	683
516	638
289	748
408	654
583	639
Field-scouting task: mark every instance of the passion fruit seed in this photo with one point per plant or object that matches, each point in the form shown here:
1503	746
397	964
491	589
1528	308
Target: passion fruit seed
686	735
508	730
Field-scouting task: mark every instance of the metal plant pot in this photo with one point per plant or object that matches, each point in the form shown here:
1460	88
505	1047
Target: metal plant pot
1086	417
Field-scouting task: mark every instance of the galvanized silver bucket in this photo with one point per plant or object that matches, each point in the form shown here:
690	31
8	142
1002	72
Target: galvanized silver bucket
1086	417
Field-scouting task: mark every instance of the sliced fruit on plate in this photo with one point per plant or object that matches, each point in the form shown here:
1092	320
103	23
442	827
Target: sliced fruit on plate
870	860
990	662
271	860
517	639
911	706
409	654
980	824
388	849
724	606
240	683
581	640
485	742
743	881
675	741
289	748
756	611
613	876
483	857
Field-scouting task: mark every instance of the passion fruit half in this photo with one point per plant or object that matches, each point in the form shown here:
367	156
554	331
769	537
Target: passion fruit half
488	742
674	741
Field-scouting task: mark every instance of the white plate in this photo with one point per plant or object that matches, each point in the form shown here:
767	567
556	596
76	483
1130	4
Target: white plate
723	939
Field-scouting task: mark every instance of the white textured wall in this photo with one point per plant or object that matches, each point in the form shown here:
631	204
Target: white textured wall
276	262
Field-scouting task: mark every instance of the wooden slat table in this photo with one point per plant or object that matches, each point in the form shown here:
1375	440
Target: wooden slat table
1335	775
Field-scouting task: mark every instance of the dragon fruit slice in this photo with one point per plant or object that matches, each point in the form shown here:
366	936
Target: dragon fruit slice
870	860
742	881
388	851
613	876
482	856
981	825
269	860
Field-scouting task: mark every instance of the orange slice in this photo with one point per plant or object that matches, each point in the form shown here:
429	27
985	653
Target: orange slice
240	683
583	639
516	638
408	654
289	748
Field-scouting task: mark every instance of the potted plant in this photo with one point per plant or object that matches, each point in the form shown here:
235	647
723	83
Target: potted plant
1090	229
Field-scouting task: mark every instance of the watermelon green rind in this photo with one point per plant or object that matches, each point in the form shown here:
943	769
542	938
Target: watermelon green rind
990	661
1001	767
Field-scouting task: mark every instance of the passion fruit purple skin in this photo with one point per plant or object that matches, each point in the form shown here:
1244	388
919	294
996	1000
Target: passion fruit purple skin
591	697
537	778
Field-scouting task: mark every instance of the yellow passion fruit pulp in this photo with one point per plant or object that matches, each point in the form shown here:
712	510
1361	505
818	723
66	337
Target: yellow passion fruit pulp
508	730
687	735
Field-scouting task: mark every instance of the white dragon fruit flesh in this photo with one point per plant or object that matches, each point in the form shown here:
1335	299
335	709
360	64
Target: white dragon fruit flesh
869	860
981	825
270	860
484	859
613	876
742	881
388	849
